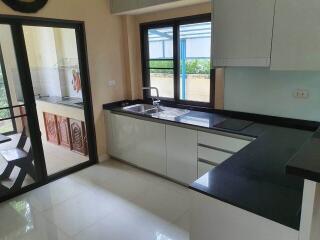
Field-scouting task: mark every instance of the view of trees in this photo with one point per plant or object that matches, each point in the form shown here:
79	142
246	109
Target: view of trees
193	66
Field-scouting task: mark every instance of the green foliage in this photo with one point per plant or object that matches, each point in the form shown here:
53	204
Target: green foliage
198	66
193	66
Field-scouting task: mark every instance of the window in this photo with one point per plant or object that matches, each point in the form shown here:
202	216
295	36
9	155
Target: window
176	59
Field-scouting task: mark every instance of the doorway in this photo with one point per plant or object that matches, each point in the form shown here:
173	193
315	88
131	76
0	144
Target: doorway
56	80
46	118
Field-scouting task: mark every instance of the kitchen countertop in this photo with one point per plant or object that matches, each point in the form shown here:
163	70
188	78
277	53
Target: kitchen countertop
66	101
306	163
255	178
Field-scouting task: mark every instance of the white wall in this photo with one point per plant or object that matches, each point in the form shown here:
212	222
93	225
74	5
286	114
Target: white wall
259	90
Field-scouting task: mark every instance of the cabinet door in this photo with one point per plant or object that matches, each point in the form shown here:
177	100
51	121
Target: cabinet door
50	122
63	131
123	138
296	35
109	117
242	32
139	142
151	146
148	3
181	154
78	137
118	6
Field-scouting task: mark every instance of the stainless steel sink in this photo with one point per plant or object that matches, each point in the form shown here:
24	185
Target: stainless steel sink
139	108
161	112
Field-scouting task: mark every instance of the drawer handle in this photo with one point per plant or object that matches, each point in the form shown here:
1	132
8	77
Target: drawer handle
207	162
215	148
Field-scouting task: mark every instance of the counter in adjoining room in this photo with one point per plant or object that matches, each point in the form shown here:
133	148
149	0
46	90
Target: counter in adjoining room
62	124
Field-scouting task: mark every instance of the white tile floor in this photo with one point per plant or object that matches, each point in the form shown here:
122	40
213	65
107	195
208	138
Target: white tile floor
111	201
57	159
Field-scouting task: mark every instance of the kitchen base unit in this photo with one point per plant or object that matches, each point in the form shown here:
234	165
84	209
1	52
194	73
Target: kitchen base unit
214	219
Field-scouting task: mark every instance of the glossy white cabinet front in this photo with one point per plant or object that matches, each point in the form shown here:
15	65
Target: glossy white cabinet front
242	32
118	6
181	154
123	6
139	142
296	36
123	138
149	138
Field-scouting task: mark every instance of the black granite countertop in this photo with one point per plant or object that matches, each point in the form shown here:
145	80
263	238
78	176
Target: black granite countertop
66	101
255	178
306	163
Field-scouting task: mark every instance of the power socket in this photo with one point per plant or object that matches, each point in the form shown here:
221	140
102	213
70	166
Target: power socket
301	93
111	83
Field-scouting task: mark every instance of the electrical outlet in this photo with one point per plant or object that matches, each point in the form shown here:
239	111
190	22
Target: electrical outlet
301	93
111	83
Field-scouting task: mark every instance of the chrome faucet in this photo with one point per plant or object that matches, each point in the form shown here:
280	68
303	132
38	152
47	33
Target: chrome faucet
155	102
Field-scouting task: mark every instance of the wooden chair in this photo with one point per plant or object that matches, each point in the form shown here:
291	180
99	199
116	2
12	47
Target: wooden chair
20	158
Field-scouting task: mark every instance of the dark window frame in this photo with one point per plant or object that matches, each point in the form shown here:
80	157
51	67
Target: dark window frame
174	23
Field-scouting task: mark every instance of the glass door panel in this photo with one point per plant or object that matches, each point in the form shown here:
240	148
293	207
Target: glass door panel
160	61
195	45
56	79
18	167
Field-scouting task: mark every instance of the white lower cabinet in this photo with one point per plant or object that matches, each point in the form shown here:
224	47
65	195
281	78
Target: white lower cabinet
213	156
150	142
181	154
217	220
203	168
139	142
121	138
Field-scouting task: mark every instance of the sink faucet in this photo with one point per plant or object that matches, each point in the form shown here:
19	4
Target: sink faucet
155	102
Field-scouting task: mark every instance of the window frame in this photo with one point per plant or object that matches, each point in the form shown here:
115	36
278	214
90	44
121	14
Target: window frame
174	23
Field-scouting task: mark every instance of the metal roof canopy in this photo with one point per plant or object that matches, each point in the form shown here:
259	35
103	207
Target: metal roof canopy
189	31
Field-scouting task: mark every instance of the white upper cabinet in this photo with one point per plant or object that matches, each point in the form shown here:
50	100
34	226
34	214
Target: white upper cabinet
296	41
118	6
148	3
123	6
242	32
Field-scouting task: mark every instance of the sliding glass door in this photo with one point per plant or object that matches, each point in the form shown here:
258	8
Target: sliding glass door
46	117
56	80
18	166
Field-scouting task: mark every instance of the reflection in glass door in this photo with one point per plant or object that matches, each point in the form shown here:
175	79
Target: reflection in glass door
18	166
56	80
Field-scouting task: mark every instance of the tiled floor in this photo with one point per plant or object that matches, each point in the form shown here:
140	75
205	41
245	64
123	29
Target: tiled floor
111	201
59	158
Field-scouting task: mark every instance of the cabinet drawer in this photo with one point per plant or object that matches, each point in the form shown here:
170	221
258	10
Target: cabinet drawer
211	155
222	142
203	168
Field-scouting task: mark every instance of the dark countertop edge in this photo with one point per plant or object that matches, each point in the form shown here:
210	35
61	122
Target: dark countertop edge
298	165
303	173
257	118
244	209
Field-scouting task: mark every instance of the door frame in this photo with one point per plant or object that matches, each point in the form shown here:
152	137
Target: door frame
17	23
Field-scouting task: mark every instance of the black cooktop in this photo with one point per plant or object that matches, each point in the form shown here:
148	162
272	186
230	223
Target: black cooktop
234	124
